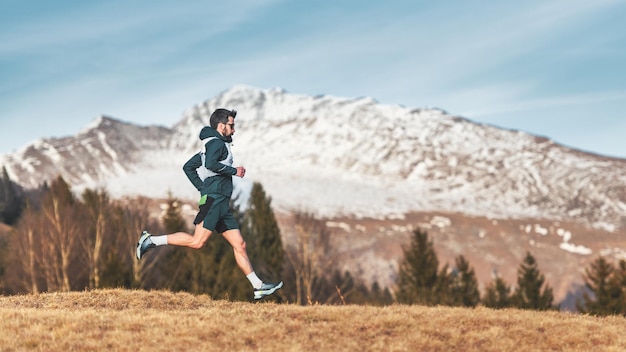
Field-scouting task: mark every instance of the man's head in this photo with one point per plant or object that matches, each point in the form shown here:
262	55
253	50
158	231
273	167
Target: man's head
223	121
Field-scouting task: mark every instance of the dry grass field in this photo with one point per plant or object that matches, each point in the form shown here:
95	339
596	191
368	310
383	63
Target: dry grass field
125	320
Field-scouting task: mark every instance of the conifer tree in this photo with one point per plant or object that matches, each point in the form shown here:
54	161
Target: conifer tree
11	202
3	259
4	203
173	220
418	280
262	234
380	297
618	284
342	289
497	294
184	269
604	290
529	293
179	263
120	267
464	285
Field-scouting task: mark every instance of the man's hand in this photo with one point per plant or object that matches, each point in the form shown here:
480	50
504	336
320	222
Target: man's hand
241	171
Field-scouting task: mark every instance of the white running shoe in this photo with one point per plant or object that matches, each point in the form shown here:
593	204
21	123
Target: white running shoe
144	245
266	290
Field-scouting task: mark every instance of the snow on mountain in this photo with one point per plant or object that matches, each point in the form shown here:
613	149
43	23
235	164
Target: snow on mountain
107	148
353	157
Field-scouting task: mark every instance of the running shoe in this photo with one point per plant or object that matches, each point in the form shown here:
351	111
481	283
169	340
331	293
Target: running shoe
144	245
266	289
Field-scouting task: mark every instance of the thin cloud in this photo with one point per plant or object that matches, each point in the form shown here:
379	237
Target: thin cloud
552	102
476	59
91	23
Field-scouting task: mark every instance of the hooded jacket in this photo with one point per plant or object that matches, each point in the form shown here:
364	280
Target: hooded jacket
216	151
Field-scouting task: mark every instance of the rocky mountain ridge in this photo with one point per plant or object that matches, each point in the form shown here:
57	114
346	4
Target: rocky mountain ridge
341	156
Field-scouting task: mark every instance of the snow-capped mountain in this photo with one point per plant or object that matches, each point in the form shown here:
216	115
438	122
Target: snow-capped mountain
339	156
376	172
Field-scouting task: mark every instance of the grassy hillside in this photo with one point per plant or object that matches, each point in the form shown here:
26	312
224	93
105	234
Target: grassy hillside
124	320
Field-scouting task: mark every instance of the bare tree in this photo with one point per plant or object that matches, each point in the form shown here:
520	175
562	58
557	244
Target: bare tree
131	220
62	232
66	244
24	244
97	205
309	254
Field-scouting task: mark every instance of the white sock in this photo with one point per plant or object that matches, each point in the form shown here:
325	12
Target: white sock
159	240
254	280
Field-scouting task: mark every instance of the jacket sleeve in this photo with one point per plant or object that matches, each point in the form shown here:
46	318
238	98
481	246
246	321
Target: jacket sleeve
215	152
190	170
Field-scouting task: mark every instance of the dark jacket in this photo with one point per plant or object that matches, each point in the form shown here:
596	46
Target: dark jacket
216	151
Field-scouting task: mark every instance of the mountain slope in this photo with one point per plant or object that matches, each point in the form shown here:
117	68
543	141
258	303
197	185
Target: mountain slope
107	148
352	157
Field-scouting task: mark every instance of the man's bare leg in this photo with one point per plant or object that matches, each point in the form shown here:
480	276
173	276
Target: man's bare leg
196	241
239	247
183	239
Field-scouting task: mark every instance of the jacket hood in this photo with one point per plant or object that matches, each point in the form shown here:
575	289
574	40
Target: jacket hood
208	131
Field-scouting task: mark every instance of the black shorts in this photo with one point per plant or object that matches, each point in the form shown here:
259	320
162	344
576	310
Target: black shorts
215	214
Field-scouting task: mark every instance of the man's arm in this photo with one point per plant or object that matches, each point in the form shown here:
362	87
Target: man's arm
215	152
190	170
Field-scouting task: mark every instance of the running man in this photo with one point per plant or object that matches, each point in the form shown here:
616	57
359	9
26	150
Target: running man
211	172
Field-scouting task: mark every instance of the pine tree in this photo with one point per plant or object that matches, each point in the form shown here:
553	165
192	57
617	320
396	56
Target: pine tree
604	289
464	286
3	197
11	202
418	280
114	274
380	297
118	263
497	294
3	260
344	289
173	220
261	232
618	284
179	263
529	293
184	269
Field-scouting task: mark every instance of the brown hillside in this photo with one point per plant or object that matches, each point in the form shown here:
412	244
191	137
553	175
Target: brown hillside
124	320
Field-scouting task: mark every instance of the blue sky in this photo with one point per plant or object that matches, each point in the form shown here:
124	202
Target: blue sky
555	68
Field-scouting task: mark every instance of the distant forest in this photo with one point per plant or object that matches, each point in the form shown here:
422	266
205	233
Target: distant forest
56	241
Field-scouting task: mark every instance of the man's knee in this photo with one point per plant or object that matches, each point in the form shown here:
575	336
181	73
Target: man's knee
240	245
200	238
197	244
